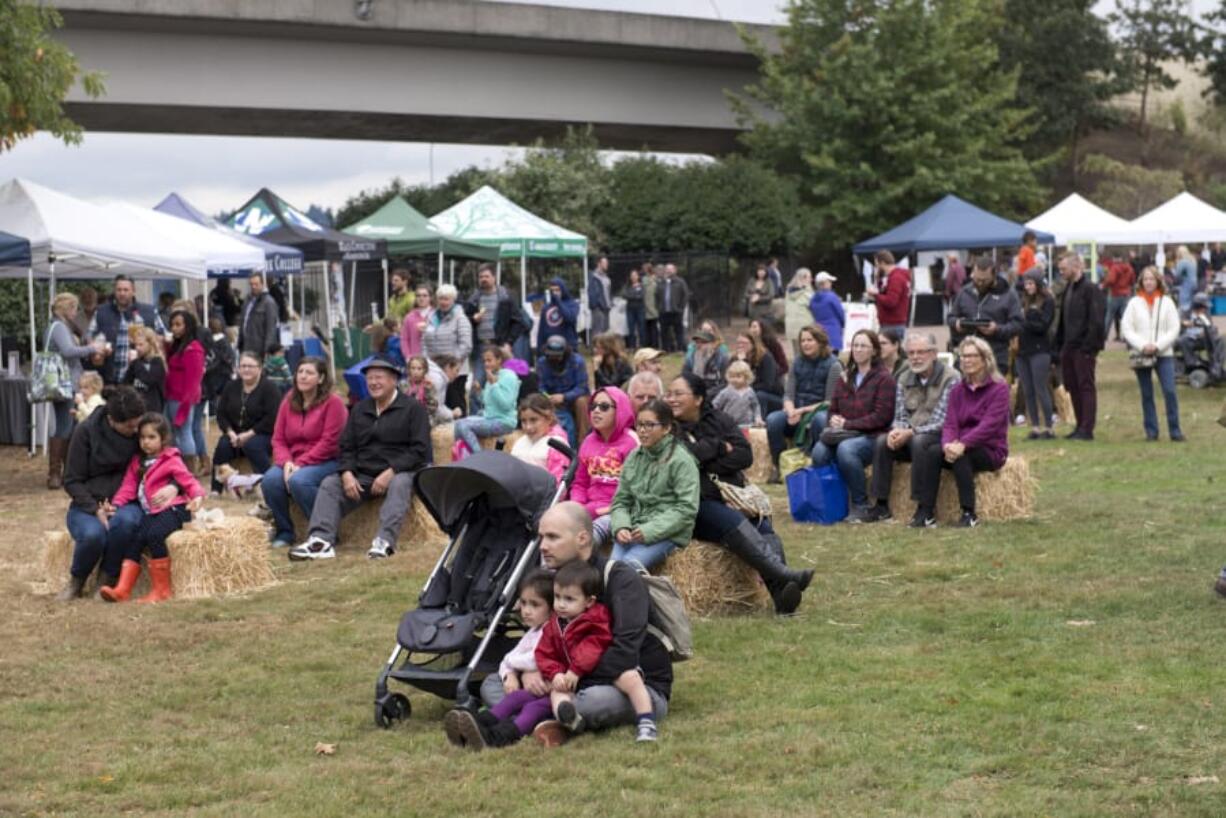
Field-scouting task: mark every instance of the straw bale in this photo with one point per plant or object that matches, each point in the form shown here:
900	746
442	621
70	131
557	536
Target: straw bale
360	527
442	438
1007	494
760	471
712	581
230	559
1061	404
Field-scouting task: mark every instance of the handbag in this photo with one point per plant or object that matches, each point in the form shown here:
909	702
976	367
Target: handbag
817	495
1138	359
747	499
833	437
50	379
792	459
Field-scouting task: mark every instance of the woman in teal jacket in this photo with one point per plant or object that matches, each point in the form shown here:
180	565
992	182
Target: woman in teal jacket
501	397
653	511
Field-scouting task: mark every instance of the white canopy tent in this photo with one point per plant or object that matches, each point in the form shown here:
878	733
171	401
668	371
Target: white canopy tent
221	253
1077	219
1184	218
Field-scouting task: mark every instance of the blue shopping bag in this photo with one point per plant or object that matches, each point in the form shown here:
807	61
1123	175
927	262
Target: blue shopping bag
817	495
356	381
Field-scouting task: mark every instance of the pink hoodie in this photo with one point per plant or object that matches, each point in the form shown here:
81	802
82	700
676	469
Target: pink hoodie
600	460
168	468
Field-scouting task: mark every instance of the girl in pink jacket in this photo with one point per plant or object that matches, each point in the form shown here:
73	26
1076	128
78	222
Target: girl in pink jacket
158	464
601	456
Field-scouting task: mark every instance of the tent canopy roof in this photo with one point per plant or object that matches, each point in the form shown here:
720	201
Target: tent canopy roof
488	217
1078	219
409	233
273	219
278	258
1183	218
84	240
950	224
14	251
221	253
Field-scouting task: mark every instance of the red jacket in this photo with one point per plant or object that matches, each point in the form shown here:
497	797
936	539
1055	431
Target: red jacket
167	469
311	437
894	299
184	375
577	647
1120	279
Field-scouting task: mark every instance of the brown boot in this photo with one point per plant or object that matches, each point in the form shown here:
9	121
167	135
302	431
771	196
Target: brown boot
120	591
57	450
206	466
159	576
192	462
72	590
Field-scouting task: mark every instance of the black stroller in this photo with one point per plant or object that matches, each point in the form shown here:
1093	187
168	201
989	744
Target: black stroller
489	505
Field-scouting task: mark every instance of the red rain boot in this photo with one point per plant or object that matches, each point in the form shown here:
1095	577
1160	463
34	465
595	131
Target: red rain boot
128	574
159	575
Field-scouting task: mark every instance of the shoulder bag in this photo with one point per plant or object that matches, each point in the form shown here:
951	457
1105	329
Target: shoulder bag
50	379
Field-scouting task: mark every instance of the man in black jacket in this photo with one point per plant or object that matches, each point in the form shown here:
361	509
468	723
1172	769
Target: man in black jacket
385	443
989	307
566	535
1080	335
257	330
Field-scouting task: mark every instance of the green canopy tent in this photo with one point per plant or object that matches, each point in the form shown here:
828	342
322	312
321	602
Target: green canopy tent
409	233
487	217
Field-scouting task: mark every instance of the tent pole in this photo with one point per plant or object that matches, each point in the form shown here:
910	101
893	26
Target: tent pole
583	298
33	352
353	289
440	266
289	282
498	271
451	274
386	293
523	274
328	320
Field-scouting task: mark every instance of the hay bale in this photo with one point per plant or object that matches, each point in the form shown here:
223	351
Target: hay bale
712	581
205	563
1007	494
361	526
1062	405
760	471
442	438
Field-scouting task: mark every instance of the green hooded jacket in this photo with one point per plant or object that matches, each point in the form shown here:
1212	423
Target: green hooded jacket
658	493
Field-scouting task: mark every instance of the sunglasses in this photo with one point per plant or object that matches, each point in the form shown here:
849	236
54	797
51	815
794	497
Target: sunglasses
603	407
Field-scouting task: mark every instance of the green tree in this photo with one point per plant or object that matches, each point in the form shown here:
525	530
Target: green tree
36	72
880	107
1065	61
567	184
1151	33
1213	47
1128	189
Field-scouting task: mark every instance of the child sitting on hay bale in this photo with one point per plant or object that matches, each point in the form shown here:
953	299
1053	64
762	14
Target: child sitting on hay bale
159	465
539	423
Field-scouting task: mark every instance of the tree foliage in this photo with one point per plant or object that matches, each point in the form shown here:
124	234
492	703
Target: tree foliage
1130	190
1152	32
880	107
1213	48
36	72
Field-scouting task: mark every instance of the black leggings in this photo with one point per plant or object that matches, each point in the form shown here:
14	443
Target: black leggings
974	459
153	531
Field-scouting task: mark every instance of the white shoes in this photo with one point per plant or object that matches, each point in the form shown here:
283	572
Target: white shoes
380	549
313	549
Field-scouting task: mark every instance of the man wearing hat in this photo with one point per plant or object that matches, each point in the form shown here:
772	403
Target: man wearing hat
563	377
827	309
386	441
647	359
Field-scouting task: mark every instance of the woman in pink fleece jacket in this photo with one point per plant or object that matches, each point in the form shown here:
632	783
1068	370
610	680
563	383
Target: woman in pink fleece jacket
305	446
157	465
601	456
184	375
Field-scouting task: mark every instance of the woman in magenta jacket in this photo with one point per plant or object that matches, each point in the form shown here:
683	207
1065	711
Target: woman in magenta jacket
305	446
976	432
184	375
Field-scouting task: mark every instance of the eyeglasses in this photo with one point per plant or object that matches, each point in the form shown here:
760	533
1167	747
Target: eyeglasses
647	425
675	394
603	407
914	352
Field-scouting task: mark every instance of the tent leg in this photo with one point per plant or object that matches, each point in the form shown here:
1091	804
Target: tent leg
353	288
523	276
33	352
328	321
386	294
498	272
440	268
583	299
451	273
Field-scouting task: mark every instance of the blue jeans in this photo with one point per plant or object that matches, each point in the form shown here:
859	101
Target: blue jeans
778	430
648	556
64	420
1165	368
92	542
636	325
197	419
303	486
474	427
185	438
567	421
852	456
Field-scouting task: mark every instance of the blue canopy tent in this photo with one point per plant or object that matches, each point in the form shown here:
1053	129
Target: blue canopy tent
14	251
950	224
281	259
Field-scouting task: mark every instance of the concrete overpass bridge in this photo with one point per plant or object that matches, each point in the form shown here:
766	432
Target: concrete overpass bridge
408	70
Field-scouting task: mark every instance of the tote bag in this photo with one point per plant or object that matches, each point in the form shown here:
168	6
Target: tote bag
50	379
817	495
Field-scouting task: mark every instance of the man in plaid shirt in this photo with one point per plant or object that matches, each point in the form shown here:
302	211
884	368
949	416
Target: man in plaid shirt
112	321
920	400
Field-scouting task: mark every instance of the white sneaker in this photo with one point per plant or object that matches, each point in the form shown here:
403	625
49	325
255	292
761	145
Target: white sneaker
380	548
313	549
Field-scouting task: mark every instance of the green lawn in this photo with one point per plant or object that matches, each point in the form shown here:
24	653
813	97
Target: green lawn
1060	666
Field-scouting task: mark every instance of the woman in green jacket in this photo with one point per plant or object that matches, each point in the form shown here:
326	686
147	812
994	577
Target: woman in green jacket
653	511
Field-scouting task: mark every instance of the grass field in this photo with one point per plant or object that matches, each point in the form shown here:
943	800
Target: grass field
1059	666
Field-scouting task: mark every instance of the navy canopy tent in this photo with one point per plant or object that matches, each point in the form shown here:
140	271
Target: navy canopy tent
14	251
280	258
271	218
950	224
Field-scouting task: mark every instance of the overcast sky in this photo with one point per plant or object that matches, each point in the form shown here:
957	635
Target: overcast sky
219	173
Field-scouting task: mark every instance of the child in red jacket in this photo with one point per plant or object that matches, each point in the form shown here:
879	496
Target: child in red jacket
158	465
574	639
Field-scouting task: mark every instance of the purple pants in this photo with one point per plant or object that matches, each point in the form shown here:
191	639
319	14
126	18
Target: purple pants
529	710
1078	372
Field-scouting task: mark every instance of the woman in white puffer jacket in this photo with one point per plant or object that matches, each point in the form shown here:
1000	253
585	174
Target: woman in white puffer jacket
1150	327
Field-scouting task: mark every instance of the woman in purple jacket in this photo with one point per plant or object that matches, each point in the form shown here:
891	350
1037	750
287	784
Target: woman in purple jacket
976	433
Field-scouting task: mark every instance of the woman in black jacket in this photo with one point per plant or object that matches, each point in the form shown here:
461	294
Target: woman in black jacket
1034	354
246	415
723	452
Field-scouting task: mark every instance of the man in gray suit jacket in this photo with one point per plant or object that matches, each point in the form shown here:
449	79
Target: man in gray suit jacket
257	324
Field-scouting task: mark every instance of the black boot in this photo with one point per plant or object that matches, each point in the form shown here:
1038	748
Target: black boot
72	590
784	584
502	734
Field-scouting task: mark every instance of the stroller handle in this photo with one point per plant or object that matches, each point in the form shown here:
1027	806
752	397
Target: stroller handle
563	448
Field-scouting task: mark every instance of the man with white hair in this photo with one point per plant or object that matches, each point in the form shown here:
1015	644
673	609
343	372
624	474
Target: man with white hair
644	386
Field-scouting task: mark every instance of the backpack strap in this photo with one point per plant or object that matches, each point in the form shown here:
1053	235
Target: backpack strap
651	629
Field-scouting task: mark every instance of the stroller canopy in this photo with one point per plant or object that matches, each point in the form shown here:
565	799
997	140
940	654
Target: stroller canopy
505	481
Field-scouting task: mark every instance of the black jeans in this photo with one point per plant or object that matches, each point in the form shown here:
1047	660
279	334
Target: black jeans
257	450
923	452
153	531
672	334
972	460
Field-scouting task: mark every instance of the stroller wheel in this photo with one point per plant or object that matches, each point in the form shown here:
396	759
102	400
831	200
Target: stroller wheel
1198	379
392	708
